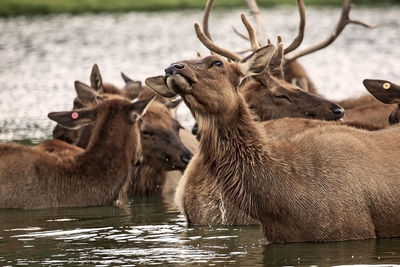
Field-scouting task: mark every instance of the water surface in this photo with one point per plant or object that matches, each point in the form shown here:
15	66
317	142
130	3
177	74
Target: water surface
41	57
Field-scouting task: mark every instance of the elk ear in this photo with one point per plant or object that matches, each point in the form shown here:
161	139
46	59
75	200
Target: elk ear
132	89
73	119
275	64
257	61
173	103
385	91
139	108
96	82
86	95
126	78
157	84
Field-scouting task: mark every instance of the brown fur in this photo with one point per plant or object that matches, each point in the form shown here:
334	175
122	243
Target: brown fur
271	97
363	109
162	147
59	148
31	179
217	212
378	114
328	183
163	151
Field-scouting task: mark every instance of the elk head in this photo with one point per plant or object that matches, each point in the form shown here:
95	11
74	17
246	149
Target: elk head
209	86
162	146
271	97
267	93
386	92
119	113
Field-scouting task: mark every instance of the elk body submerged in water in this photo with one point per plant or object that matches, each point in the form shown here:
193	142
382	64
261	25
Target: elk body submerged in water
328	183
31	178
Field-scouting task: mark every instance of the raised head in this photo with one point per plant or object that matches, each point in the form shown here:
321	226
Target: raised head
266	92
209	85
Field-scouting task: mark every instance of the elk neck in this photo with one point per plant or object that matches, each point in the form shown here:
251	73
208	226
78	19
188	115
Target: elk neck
235	152
108	146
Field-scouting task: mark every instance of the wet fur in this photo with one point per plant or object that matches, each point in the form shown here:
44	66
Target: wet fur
32	179
328	183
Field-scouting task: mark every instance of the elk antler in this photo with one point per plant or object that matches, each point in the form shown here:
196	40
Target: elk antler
213	47
302	25
252	34
255	11
343	22
207	10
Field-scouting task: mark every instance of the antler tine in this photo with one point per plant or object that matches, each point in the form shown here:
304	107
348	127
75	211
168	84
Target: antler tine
343	21
240	34
255	12
207	10
299	38
252	33
213	47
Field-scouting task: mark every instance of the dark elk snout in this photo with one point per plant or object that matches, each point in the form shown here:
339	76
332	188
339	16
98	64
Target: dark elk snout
338	111
171	70
185	158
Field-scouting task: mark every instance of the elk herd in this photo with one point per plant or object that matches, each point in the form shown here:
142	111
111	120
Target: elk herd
270	149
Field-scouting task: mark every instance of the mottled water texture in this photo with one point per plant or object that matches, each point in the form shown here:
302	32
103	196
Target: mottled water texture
41	57
148	232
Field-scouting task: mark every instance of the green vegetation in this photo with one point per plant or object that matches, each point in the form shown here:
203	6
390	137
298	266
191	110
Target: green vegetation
33	7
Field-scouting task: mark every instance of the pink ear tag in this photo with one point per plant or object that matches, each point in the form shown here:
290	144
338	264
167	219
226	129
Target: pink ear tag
75	115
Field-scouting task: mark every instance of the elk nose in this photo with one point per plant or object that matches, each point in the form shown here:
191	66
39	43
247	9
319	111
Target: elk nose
195	128
186	158
338	111
171	69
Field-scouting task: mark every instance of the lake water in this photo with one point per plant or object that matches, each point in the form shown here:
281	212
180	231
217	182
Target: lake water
41	57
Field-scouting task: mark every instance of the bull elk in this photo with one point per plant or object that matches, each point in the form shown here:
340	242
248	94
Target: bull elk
268	94
32	179
364	109
328	183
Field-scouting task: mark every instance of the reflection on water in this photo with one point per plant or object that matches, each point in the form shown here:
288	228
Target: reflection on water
143	232
147	232
42	56
382	251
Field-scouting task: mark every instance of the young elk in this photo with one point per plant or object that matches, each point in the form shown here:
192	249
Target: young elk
32	179
329	183
267	93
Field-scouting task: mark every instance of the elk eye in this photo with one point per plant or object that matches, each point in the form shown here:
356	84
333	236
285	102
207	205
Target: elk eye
217	64
147	133
283	97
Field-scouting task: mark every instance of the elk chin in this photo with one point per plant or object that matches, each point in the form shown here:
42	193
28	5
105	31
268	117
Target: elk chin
178	83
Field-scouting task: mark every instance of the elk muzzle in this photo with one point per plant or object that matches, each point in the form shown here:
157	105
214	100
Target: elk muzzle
338	111
179	78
